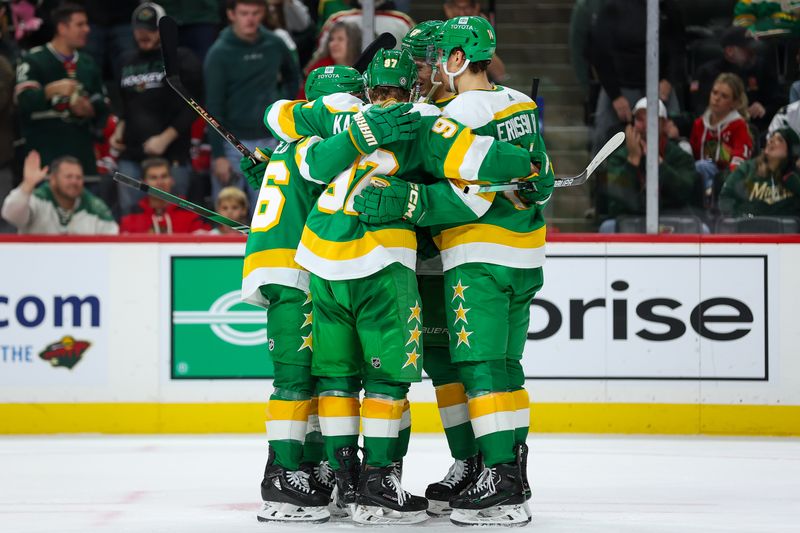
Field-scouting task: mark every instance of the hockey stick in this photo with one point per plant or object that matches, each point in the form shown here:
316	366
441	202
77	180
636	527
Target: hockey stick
573	181
168	30
384	40
180	202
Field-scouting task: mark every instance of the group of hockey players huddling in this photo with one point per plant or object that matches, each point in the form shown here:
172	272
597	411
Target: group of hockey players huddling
361	223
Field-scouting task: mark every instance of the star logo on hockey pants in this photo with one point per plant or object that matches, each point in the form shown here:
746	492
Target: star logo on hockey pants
412	358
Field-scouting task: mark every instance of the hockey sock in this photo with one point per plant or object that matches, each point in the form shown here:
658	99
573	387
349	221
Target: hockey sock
453	410
286	427
522	403
287	413
491	409
405	433
313	448
452	402
381	415
338	414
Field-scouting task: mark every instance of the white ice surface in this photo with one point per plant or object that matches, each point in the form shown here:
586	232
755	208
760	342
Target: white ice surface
587	484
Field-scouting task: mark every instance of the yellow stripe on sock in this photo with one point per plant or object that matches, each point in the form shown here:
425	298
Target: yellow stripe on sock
487	404
384	409
521	399
331	406
288	410
450	394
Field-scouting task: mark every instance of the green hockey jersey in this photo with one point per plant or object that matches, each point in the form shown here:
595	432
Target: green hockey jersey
336	245
291	120
48	125
295	176
509	233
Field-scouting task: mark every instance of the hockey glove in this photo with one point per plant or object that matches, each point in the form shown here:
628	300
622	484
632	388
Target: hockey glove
544	181
383	125
399	200
254	174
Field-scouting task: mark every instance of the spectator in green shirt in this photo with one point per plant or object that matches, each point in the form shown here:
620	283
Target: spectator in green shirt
768	185
246	69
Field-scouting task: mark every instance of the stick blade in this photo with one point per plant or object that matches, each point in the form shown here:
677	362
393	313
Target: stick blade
129	181
168	31
384	40
607	149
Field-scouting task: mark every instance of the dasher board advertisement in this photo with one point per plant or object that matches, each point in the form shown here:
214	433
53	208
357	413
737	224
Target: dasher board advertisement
54	316
651	317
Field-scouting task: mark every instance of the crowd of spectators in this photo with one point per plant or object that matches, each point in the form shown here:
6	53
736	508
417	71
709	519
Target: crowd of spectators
83	95
727	112
83	80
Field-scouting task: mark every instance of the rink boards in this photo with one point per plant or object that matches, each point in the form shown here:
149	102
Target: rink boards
631	334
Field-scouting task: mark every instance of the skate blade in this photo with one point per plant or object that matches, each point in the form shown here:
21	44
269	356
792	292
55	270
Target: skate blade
287	512
502	515
337	508
438	508
374	515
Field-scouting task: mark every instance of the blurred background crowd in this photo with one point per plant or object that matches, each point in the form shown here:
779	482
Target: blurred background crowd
82	95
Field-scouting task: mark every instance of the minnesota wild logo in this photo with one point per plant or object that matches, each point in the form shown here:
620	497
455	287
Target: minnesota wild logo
66	352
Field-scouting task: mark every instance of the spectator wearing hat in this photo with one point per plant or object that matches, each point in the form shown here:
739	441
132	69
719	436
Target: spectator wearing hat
626	177
62	103
767	185
617	53
154	122
740	57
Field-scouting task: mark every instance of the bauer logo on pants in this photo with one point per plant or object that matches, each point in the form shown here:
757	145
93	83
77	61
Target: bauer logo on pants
214	334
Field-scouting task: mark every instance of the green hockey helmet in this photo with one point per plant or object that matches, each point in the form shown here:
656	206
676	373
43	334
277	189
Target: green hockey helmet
323	81
474	35
391	68
419	40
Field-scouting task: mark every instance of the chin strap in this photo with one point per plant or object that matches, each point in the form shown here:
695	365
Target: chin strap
451	76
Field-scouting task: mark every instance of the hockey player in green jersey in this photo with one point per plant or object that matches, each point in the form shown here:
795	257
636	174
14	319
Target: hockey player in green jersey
450	396
297	482
367	312
492	271
419	41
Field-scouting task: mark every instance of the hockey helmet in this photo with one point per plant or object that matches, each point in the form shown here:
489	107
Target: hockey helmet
419	40
323	81
391	68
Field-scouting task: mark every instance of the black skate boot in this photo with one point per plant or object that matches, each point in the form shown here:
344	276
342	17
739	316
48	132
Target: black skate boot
496	499
288	496
344	493
521	451
382	500
460	476
323	480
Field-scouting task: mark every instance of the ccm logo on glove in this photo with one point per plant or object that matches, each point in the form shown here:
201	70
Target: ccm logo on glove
413	196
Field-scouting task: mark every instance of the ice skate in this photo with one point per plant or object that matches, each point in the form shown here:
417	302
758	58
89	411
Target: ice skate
496	499
382	500
288	496
460	476
343	496
323	480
